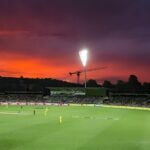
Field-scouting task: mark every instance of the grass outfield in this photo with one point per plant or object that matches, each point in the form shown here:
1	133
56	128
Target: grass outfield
82	128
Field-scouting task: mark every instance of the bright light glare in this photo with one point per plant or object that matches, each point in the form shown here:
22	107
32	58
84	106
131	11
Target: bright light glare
84	56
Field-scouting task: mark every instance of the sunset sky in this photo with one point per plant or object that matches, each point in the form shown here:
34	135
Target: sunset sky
41	38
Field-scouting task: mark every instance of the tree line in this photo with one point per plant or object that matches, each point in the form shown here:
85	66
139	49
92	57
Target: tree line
31	84
133	85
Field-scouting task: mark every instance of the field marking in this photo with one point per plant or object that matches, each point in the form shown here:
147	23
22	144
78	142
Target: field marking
12	113
126	107
95	118
113	106
90	105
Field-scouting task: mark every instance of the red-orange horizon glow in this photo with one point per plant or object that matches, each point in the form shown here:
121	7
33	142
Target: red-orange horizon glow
16	65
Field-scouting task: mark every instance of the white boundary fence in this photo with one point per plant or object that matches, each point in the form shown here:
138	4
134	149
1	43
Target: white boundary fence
61	104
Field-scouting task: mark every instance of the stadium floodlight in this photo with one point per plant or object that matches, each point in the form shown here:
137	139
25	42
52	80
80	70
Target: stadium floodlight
84	57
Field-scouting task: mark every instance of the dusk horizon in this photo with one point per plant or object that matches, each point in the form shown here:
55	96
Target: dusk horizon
42	39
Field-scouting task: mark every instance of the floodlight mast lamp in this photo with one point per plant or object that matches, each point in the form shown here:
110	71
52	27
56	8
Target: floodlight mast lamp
84	57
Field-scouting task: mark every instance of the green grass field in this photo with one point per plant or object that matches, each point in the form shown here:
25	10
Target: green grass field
82	128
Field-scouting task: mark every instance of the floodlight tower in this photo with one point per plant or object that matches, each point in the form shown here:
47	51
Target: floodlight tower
84	57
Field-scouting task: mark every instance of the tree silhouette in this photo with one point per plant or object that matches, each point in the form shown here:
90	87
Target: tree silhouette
121	86
108	84
133	84
146	87
92	83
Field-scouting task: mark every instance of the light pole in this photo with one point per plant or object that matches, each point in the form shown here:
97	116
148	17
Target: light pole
84	57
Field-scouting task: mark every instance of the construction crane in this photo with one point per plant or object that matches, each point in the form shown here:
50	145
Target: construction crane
78	73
